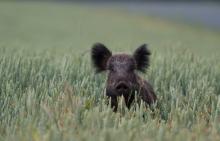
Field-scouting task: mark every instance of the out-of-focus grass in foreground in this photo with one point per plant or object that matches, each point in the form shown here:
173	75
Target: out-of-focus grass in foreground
48	90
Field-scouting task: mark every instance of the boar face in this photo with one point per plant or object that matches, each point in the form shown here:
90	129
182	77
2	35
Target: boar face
122	77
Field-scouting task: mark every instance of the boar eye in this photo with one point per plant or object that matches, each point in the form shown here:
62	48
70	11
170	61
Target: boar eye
111	67
131	68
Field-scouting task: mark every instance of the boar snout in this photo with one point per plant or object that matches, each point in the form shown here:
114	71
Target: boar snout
122	87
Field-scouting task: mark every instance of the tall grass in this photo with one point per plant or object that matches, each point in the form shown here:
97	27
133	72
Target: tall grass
50	92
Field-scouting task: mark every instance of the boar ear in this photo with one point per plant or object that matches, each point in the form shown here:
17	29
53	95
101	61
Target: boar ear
141	56
100	55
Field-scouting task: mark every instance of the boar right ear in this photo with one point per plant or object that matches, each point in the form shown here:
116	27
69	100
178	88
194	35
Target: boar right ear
100	55
141	56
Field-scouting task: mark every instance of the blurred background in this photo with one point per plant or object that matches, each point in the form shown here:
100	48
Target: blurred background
202	12
122	24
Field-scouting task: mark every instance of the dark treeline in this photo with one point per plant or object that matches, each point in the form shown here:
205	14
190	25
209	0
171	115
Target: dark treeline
164	1
121	0
143	0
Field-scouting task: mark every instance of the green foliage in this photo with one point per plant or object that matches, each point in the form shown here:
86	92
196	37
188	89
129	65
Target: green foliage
48	90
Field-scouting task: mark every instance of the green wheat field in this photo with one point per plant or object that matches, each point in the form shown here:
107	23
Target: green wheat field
49	91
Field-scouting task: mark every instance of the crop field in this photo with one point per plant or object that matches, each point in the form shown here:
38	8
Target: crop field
49	91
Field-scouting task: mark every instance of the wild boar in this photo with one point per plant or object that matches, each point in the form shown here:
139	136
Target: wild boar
123	79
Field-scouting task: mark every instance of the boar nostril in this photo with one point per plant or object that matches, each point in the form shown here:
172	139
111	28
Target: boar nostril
121	86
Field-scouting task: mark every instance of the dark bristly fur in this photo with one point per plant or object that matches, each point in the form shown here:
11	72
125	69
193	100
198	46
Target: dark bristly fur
122	78
100	56
141	56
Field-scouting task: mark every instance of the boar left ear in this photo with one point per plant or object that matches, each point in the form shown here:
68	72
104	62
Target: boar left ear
141	56
100	55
